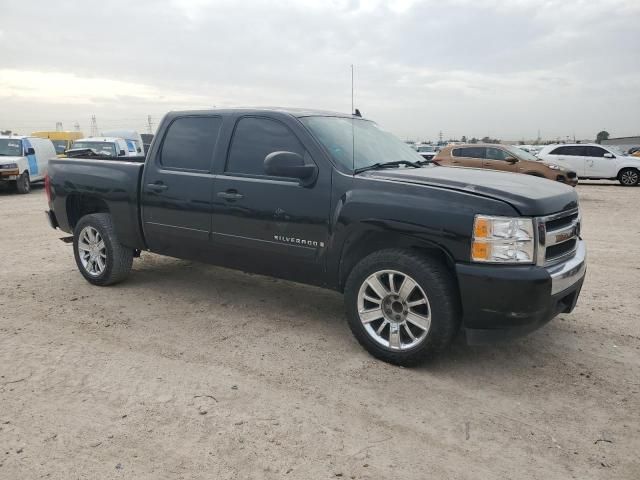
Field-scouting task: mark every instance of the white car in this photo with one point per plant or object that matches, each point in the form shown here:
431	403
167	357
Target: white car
427	151
135	146
24	160
102	146
593	161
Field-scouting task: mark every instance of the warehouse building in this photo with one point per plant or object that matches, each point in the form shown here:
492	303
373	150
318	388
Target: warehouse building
623	143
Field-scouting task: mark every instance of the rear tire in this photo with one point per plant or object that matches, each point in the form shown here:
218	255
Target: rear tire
23	183
101	259
629	177
403	326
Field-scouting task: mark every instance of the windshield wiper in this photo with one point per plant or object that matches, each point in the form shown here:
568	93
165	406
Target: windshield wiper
378	165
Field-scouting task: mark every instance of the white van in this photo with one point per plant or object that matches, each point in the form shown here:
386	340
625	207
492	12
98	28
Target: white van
135	145
593	161
102	146
24	160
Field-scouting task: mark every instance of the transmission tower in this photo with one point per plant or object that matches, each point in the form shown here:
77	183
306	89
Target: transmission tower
59	127
76	127
149	125
94	126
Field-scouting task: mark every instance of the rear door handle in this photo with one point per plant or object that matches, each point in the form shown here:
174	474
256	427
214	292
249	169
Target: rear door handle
157	186
230	195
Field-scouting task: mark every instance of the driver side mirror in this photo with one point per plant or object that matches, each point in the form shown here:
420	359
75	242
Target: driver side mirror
609	155
511	160
290	165
31	151
122	153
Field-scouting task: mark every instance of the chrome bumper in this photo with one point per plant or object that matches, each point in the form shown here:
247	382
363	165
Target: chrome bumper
566	274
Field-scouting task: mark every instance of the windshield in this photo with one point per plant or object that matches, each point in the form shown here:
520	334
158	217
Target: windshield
60	145
520	153
101	148
372	144
10	147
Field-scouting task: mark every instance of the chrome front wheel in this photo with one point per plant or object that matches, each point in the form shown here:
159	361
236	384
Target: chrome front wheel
394	310
629	177
92	251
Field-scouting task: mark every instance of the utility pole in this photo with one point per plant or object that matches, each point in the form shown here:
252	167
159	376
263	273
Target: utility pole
94	126
149	125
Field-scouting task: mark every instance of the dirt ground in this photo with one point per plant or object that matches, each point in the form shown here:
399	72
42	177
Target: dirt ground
192	371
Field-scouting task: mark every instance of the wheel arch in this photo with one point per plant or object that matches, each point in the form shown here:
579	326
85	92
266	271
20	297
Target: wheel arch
79	205
372	241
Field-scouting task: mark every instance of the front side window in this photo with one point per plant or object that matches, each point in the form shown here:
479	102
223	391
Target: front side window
10	147
255	138
339	136
469	152
496	154
594	151
189	143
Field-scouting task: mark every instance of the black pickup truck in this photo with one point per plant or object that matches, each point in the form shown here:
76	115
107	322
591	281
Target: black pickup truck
418	250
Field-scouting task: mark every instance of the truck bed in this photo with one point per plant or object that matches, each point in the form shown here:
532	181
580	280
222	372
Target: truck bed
116	183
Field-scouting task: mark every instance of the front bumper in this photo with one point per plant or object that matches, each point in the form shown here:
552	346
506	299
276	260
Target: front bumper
9	174
501	302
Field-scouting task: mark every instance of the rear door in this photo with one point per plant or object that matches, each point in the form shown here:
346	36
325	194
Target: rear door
496	159
270	224
572	155
177	185
468	157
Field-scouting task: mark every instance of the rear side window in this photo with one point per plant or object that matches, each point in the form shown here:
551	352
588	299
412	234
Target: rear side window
470	152
594	152
572	151
189	143
254	139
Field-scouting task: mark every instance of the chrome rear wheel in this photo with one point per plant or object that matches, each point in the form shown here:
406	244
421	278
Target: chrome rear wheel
92	251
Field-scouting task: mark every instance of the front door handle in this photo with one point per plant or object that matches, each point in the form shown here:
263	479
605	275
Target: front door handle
157	186
230	195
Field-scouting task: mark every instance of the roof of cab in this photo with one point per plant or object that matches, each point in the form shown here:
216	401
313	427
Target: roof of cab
294	112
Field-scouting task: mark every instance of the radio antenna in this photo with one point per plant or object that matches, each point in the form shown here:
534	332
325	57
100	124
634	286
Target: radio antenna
353	130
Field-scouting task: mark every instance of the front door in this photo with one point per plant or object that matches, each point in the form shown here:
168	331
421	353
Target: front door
496	159
269	224
177	187
597	165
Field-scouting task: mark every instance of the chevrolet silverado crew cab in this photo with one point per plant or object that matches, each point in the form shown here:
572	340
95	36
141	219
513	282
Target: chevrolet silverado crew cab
418	250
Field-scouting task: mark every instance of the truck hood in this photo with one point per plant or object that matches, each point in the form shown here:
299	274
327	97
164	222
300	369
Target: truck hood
531	196
13	159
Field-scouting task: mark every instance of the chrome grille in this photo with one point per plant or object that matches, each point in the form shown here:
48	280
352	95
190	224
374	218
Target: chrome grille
558	236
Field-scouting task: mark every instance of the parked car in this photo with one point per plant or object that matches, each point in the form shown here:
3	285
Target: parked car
418	250
101	146
504	158
62	141
427	151
593	161
135	145
24	160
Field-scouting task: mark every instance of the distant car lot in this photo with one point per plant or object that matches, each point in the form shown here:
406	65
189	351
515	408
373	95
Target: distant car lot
97	382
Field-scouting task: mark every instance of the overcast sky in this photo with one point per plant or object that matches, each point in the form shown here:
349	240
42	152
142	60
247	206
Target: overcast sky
466	67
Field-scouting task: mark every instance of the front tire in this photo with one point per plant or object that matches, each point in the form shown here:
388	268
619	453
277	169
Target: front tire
101	259
629	177
402	306
23	183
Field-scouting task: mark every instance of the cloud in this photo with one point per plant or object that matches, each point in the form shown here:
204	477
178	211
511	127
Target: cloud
462	66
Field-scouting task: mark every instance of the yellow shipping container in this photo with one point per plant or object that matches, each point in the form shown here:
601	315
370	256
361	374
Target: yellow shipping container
61	140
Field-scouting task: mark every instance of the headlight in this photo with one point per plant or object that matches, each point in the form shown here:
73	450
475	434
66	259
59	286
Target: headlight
9	165
553	166
502	240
